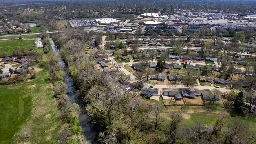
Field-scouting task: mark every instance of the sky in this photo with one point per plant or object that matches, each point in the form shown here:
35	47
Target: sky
112	0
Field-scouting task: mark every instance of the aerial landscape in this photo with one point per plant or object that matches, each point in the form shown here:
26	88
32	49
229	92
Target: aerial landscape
128	72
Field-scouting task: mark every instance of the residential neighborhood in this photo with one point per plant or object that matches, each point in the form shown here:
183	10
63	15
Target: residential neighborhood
128	72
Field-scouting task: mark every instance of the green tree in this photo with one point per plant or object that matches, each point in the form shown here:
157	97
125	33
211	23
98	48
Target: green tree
188	79
239	36
160	65
177	49
239	103
205	70
11	70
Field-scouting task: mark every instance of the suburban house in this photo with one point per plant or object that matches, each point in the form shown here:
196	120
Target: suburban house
153	77
206	96
249	73
175	95
149	92
219	81
175	66
211	59
5	74
192	67
174	57
167	66
205	79
237	71
243	63
188	93
161	76
125	58
152	65
103	64
173	77
136	67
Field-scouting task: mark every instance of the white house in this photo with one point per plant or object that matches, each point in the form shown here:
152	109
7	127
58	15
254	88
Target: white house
39	43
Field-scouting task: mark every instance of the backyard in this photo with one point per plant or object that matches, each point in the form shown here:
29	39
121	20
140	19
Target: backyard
35	29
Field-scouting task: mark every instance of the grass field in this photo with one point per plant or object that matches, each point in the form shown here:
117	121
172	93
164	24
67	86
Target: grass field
35	29
32	36
7	46
205	118
28	110
198	114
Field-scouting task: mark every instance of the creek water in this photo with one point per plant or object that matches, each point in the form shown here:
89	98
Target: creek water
88	130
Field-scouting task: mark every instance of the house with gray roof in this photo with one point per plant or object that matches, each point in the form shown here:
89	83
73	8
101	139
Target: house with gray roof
175	66
153	77
5	74
137	67
175	94
161	76
220	81
152	65
149	92
207	96
167	66
173	77
174	57
188	93
103	64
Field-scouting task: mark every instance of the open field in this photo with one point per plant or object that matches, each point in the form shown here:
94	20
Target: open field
28	112
16	36
35	29
7	46
199	115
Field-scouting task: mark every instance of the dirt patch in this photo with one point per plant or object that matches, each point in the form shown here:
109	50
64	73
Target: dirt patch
48	137
197	101
32	86
186	116
165	115
48	116
155	98
191	111
36	69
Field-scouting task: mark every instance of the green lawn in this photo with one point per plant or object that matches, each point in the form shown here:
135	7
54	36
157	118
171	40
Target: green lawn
209	119
15	109
208	62
248	60
205	84
28	109
17	36
7	46
203	118
35	29
185	72
220	85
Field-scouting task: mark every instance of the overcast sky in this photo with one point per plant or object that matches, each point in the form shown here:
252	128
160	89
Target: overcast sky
112	0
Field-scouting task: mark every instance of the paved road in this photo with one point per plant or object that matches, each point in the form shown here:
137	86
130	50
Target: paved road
223	90
103	42
28	34
133	78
